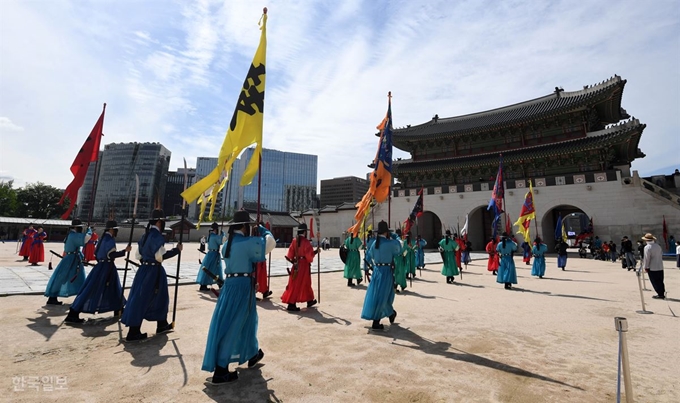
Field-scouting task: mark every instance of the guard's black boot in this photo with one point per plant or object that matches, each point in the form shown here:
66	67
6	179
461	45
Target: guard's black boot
392	317
222	376
292	308
163	327
377	326
311	303
495	272
53	301
73	317
134	334
266	294
203	288
359	280
350	283
253	361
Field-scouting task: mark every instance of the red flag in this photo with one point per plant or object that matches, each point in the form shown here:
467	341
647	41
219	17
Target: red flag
417	211
665	232
508	226
89	152
311	228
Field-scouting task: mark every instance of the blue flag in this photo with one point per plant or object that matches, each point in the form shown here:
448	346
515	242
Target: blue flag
558	228
498	192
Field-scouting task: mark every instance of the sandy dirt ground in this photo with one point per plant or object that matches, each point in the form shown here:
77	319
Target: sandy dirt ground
549	340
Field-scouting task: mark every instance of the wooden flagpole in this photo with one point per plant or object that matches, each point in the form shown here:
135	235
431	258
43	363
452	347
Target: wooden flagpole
132	230
179	254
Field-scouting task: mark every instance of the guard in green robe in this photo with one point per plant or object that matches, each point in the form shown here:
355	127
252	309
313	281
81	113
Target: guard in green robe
410	256
448	248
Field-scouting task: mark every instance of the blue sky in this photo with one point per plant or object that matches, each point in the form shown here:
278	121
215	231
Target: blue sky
171	71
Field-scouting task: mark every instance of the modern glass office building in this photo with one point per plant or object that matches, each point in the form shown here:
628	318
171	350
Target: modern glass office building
288	181
84	203
174	186
115	194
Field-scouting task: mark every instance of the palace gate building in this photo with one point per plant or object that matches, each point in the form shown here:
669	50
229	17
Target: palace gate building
576	147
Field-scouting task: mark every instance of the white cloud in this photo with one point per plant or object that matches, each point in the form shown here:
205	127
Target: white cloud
7	125
171	72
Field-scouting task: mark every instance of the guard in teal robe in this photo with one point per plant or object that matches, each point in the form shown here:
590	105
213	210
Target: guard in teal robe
69	275
380	293
232	336
420	253
367	256
507	273
400	266
448	248
409	257
212	261
538	251
353	263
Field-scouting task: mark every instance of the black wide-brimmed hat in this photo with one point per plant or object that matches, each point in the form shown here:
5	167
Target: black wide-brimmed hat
383	227
157	214
240	217
214	226
448	232
76	223
111	224
398	231
302	228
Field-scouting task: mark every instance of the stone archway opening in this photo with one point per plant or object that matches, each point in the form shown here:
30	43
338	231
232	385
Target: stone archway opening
430	228
479	227
575	219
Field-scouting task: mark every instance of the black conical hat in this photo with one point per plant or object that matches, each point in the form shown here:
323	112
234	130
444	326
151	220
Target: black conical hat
157	214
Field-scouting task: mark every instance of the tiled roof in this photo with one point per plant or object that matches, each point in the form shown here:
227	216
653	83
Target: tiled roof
608	92
603	138
34	221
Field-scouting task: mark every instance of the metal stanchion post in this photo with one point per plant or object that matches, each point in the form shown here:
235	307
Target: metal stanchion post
621	326
642	298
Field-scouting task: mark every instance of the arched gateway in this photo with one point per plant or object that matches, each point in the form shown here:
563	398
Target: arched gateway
575	222
430	228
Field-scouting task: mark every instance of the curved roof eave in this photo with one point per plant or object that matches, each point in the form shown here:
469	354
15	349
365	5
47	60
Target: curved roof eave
527	111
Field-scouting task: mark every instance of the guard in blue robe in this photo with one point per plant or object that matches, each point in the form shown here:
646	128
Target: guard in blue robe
102	291
561	248
149	298
232	337
507	274
212	261
69	275
380	294
538	251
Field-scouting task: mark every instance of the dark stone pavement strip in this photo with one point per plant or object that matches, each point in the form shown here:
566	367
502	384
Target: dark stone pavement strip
23	279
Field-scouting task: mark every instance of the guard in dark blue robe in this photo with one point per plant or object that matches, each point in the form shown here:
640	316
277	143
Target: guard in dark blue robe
102	291
69	275
149	298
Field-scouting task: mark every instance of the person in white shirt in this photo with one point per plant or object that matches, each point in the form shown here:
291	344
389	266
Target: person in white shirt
652	262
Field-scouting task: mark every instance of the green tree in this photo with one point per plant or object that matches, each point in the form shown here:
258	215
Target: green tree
8	199
40	201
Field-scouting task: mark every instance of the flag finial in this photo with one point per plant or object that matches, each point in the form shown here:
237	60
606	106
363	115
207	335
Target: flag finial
264	10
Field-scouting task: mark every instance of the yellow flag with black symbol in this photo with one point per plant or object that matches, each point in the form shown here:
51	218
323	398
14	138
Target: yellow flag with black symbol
245	128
